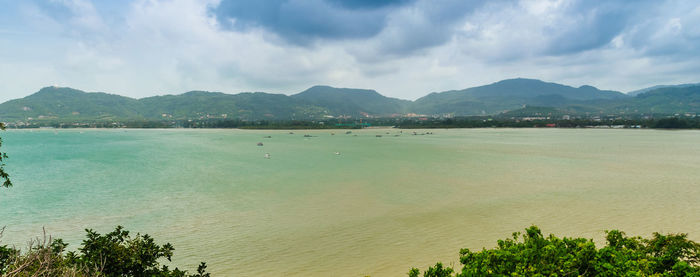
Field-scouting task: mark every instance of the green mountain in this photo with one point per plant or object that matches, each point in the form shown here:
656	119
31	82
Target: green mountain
66	104
246	106
665	100
509	95
316	102
640	91
352	102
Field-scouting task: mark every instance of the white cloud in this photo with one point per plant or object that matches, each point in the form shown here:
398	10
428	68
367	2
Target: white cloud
156	47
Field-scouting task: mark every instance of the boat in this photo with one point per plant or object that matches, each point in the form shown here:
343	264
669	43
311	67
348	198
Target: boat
337	153
260	144
267	155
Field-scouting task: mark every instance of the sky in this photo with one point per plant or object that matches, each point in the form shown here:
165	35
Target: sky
401	48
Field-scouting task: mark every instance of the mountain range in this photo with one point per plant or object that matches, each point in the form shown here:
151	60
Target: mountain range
67	104
640	91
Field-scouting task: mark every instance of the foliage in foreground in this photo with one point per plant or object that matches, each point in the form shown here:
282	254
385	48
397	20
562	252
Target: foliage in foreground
109	255
4	177
536	255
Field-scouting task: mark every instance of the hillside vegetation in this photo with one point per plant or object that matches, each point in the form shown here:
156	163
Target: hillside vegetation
319	102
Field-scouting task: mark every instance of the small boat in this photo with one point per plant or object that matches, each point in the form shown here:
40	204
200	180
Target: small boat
337	153
307	136
379	136
332	134
260	144
291	133
267	155
267	137
348	132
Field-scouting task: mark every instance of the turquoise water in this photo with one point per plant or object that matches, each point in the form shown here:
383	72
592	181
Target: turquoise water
381	206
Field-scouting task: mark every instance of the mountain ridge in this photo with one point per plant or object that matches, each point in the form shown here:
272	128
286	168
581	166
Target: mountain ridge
508	94
644	90
321	101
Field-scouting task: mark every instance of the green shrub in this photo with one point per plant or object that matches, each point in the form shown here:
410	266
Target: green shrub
537	255
110	255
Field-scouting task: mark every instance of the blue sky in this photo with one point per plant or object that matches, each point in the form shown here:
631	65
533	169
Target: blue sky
402	48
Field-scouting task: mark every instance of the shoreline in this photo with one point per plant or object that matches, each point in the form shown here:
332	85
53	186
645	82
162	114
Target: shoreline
347	129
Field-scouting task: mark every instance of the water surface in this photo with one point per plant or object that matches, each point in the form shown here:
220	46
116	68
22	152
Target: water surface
381	206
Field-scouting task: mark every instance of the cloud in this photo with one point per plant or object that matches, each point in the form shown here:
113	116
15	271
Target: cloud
417	27
78	17
369	4
393	27
670	29
586	26
389	29
302	21
403	48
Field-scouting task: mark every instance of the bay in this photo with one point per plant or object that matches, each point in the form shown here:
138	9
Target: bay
378	206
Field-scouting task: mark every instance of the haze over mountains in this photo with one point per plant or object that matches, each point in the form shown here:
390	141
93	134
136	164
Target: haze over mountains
66	104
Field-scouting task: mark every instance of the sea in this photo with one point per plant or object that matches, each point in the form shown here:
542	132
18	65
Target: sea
345	202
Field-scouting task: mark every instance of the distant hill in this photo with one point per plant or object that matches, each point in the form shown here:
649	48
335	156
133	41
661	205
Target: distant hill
665	100
71	104
68	103
640	91
513	96
248	106
508	95
352	102
315	102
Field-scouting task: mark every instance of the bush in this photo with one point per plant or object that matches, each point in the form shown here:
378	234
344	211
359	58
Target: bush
110	255
536	255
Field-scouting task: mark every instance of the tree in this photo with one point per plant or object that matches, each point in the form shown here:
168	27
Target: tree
4	177
537	255
673	123
115	254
